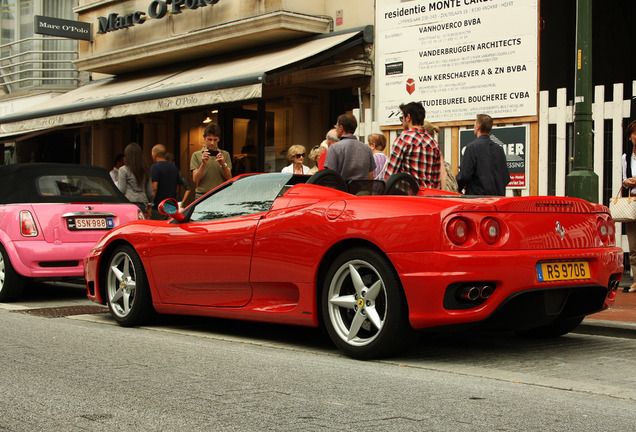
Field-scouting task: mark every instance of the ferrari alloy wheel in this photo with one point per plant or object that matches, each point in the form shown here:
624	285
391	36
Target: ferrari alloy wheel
363	306
11	283
127	288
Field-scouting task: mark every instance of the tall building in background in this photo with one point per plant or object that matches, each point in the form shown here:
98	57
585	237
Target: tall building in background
33	68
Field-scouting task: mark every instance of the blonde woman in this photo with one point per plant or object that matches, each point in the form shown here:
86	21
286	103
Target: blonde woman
314	155
296	154
377	142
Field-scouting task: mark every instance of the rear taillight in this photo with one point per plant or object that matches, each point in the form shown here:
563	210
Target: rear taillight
490	230
140	215
27	224
457	231
606	231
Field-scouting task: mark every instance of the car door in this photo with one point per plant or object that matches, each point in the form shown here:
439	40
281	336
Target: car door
204	263
206	259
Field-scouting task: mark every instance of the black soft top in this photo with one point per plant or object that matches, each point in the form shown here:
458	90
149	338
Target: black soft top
57	183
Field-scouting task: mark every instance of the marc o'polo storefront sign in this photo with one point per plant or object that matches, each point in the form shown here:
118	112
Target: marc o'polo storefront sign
62	28
157	9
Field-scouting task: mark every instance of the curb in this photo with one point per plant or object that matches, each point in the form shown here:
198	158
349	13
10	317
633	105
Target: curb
607	328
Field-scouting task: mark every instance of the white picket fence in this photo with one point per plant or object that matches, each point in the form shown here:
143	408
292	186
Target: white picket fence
562	114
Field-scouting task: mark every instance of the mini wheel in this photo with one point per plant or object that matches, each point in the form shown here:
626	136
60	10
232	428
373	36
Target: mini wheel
11	283
127	290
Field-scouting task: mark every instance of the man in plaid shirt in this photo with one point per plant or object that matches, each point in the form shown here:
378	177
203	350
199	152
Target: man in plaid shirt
415	152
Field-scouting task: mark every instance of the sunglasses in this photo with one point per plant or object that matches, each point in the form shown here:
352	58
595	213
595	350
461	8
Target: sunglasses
401	118
299	155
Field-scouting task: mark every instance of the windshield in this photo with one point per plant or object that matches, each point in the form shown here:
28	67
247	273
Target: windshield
245	196
75	186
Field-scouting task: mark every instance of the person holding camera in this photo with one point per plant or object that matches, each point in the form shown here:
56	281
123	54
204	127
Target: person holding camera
211	166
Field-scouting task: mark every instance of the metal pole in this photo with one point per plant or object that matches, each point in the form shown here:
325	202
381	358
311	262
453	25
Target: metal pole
582	182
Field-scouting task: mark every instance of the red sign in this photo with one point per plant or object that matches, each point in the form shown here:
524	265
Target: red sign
410	85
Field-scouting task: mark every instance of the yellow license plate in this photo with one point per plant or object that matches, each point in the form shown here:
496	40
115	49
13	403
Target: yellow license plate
562	271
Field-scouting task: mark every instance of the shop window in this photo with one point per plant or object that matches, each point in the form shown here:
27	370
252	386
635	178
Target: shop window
250	152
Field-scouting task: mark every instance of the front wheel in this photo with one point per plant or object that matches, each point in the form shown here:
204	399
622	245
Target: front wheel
363	306
11	283
127	289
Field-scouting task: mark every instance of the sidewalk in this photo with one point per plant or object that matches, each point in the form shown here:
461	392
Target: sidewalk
619	320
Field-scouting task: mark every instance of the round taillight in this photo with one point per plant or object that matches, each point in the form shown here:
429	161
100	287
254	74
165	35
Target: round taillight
611	231
606	231
490	230
603	230
457	231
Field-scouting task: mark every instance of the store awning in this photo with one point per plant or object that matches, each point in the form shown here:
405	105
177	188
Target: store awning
219	80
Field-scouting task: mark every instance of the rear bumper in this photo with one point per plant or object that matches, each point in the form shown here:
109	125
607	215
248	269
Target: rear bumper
427	278
39	259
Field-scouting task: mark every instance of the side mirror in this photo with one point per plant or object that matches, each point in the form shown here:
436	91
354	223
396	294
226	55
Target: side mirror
170	207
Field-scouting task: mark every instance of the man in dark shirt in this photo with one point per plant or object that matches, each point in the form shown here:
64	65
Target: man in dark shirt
165	179
483	169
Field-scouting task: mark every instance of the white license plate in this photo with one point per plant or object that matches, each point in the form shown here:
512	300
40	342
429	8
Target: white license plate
93	223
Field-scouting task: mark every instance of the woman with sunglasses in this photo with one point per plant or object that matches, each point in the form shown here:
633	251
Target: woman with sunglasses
296	154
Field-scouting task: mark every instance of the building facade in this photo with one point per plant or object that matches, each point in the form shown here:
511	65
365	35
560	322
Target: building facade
270	73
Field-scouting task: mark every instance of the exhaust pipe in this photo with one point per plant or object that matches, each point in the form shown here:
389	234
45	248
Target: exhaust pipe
474	293
485	292
469	293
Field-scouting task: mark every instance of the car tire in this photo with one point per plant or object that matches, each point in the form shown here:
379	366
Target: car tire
363	305
11	283
127	289
556	329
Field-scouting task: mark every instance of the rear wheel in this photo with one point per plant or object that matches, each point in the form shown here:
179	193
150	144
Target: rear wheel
363	306
556	329
11	283
127	289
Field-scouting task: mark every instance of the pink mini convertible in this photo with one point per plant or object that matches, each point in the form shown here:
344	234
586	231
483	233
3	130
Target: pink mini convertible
51	215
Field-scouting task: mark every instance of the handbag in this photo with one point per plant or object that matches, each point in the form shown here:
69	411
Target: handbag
623	209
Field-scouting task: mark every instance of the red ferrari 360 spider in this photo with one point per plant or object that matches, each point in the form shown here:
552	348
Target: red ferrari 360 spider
371	262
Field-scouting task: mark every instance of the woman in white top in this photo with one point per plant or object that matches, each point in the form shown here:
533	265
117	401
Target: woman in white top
296	154
629	186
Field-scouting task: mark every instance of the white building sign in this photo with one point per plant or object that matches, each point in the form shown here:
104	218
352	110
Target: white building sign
459	58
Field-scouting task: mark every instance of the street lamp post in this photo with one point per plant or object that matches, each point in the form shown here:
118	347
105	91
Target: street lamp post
582	182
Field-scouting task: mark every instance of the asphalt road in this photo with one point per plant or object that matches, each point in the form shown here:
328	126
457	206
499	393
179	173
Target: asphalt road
84	373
